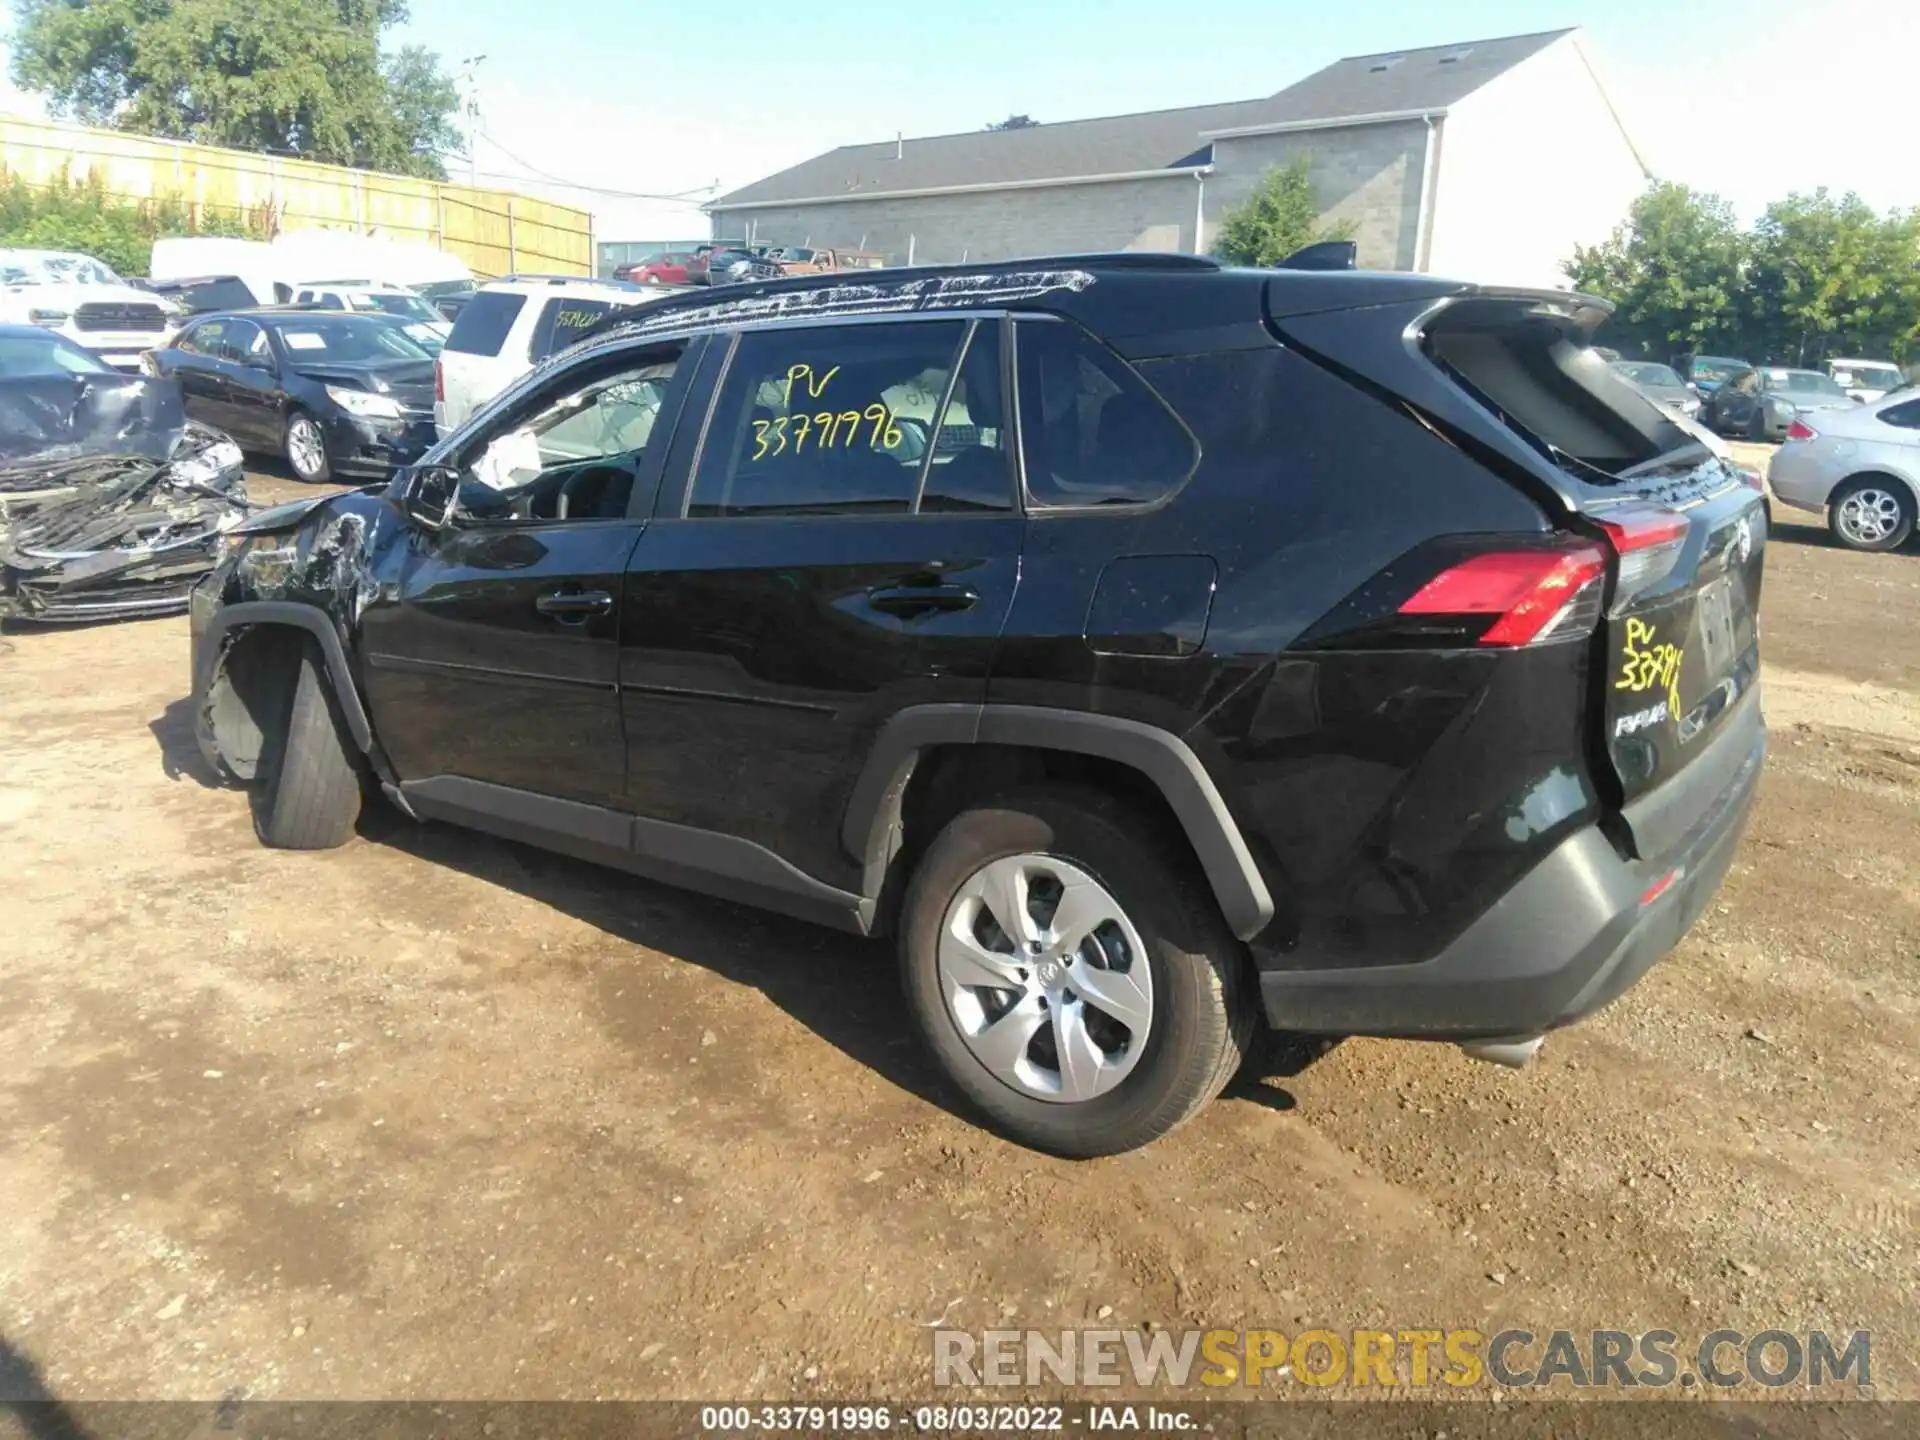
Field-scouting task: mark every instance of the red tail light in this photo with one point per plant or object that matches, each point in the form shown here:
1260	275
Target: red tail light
1648	539
439	380
1533	594
1800	430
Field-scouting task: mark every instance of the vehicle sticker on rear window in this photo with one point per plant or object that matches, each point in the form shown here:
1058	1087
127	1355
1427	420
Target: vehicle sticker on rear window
1649	663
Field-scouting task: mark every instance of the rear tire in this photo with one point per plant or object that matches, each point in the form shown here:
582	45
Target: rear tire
306	791
1156	956
1870	513
304	444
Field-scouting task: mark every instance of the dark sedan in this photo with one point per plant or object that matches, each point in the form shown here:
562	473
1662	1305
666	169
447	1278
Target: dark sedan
1763	402
331	392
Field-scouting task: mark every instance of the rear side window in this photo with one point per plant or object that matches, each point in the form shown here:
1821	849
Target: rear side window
484	322
847	420
1905	415
562	323
1091	431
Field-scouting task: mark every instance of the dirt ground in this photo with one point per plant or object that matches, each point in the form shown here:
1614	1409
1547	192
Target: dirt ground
436	1115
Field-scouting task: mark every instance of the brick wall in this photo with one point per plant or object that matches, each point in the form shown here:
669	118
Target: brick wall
1368	175
1155	214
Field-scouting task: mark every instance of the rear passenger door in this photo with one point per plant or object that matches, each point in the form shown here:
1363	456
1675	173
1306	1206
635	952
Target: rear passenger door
847	545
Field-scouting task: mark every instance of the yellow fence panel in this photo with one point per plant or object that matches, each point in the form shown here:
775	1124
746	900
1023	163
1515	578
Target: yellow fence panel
493	231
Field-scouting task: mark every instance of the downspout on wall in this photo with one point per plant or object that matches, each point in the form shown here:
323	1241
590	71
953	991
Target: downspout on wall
1429	177
1200	213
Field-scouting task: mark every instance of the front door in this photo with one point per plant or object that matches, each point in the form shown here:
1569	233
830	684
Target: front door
848	545
494	657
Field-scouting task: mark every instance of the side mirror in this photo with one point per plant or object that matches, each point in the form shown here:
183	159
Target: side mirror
428	494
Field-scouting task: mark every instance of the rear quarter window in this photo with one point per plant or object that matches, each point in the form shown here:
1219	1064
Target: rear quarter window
1905	416
563	322
1092	432
484	322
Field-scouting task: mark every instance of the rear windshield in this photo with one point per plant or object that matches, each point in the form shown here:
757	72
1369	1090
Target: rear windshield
1533	368
561	323
1646	373
230	294
484	322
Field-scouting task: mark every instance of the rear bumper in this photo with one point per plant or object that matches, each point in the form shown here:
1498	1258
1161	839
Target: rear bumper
1570	937
1801	476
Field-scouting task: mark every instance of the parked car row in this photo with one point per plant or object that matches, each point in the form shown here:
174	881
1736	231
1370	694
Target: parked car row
726	262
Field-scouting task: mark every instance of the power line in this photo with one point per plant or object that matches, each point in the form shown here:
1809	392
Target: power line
681	197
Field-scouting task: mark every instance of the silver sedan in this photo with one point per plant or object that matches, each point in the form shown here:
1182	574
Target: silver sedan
1862	466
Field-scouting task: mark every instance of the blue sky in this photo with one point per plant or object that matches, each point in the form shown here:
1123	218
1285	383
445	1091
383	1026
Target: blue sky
1751	99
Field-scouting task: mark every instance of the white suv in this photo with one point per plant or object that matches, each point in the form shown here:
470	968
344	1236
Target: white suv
509	326
78	297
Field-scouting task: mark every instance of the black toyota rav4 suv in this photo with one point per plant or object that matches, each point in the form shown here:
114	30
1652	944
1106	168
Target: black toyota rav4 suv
1150	646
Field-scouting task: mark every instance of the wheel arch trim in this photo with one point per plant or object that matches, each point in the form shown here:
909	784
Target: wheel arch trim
871	829
246	614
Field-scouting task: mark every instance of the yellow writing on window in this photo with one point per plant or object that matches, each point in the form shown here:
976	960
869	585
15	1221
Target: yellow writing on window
824	429
814	383
1648	663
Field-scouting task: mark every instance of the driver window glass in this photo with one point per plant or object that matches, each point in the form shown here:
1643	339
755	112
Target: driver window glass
572	453
833	420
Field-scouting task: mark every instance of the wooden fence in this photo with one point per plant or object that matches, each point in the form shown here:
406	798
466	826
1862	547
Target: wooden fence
493	231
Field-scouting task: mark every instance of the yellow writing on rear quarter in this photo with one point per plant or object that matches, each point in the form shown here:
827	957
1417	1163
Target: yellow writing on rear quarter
1647	663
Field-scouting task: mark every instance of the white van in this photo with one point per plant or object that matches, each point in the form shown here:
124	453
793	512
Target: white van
509	326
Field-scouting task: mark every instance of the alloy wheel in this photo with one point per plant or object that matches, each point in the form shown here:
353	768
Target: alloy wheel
305	448
1045	978
1869	516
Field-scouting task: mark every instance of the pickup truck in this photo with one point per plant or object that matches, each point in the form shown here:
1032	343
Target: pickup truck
805	260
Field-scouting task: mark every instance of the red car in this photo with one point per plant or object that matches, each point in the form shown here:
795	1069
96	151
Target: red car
669	267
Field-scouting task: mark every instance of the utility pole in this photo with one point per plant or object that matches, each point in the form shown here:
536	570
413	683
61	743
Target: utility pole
470	111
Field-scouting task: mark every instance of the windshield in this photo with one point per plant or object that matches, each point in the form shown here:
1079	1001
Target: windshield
408	307
1868	377
50	267
1804	382
1715	370
1659	376
24	355
341	338
438	288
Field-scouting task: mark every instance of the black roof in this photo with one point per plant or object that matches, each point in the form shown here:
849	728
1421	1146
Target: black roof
1128	293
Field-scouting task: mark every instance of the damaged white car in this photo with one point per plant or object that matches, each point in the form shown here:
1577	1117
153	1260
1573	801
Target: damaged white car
112	502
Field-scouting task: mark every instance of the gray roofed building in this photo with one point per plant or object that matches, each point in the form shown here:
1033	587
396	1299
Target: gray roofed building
1393	138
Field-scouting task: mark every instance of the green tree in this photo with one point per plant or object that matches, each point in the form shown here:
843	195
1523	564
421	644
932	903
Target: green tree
1278	218
300	77
1014	122
1675	271
1830	276
79	215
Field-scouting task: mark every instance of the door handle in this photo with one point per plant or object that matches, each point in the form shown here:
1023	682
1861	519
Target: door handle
574	606
912	601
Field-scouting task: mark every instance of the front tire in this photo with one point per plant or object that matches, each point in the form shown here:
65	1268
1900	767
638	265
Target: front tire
306	791
304	444
1072	976
1870	513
